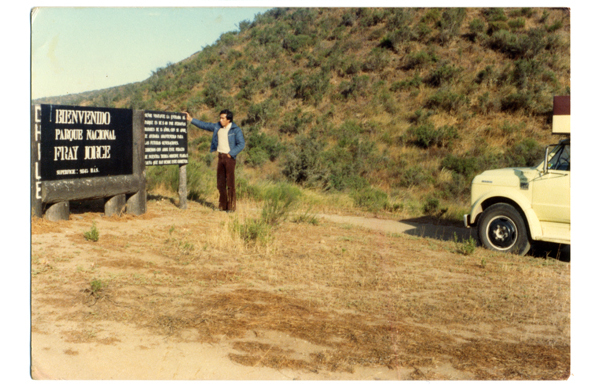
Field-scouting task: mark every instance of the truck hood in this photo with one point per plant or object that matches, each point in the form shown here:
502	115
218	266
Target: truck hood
509	177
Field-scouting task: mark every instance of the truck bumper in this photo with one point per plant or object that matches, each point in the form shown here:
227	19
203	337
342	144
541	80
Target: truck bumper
467	220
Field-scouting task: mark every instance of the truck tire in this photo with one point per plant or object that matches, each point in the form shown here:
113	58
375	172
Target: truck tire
502	228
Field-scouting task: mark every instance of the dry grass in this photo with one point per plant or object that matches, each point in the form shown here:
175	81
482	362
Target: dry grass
318	298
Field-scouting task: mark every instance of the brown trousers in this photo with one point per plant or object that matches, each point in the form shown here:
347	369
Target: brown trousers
226	182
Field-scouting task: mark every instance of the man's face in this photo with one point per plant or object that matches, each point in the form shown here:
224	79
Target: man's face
223	120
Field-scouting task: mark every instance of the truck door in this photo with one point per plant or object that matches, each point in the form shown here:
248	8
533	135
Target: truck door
551	192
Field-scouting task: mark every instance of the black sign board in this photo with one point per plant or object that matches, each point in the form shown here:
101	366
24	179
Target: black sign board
165	138
84	142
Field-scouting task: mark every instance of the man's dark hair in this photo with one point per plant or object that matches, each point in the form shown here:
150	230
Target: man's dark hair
228	114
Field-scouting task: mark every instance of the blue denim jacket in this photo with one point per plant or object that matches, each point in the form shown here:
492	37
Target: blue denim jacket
235	136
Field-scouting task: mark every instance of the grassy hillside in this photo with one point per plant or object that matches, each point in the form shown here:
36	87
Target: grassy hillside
396	109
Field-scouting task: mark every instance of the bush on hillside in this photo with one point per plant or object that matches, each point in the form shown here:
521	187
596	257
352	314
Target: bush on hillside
371	199
262	143
357	87
450	23
426	135
419	59
526	153
303	163
443	74
447	100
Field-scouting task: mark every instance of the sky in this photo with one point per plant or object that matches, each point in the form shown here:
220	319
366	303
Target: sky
82	49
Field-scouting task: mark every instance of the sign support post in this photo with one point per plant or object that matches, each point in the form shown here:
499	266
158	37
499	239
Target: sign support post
182	187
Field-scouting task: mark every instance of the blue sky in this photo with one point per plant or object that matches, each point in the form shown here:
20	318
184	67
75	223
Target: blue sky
81	49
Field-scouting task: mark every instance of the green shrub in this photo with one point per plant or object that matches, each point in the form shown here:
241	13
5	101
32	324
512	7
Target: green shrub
306	217
215	86
348	66
525	12
432	16
295	43
310	88
466	165
495	26
486	76
357	87
486	104
476	26
447	100
519	46
394	40
398	17
377	60
167	176
449	24
414	176
415	82
368	17
431	206
96	286
526	153
494	14
200	182
348	19
262	112
518	101
525	72
245	190
426	135
256	157
518	23
92	235
419	59
371	199
261	147
466	247
555	26
303	163
252	230
458	188
421	31
443	74
279	200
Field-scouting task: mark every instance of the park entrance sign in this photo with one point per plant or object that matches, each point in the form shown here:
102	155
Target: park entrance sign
81	153
83	142
166	138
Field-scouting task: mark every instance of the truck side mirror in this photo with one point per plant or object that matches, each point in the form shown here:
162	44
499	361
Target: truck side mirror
545	171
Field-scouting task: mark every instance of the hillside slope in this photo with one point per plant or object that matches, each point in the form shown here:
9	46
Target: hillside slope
399	108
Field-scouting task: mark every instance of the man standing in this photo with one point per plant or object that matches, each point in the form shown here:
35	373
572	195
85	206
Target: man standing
228	141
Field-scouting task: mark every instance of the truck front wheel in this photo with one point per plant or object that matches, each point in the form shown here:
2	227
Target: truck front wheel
502	228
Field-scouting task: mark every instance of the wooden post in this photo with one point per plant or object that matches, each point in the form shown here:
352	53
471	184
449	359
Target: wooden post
183	187
58	212
136	203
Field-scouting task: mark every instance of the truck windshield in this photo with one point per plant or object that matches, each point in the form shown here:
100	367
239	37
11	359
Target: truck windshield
560	158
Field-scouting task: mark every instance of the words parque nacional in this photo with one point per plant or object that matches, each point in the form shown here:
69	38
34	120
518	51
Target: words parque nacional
69	134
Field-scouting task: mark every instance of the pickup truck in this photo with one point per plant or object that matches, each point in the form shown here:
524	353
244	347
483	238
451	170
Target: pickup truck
513	207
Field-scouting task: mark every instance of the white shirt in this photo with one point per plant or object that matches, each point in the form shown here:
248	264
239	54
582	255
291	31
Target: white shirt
223	145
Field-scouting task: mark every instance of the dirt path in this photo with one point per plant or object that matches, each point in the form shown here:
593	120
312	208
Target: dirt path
426	230
440	232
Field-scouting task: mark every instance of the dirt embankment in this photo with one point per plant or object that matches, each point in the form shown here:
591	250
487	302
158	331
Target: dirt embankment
178	295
